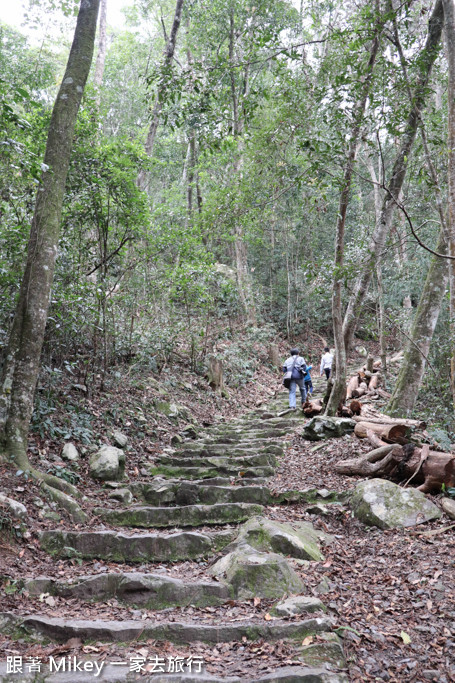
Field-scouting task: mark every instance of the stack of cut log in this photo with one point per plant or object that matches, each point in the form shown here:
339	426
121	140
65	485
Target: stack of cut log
312	408
394	456
365	381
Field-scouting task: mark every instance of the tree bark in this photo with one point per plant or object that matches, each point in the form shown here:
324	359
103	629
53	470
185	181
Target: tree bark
395	185
339	383
449	27
22	363
142	178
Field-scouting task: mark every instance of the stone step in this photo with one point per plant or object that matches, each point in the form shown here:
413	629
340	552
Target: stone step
145	547
181	492
205	473
233	435
181	516
151	591
239	449
159	491
196	460
112	673
60	630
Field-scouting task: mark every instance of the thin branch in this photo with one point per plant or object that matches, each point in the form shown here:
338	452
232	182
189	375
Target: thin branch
110	256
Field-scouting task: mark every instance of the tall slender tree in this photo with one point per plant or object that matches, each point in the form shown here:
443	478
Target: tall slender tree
395	184
22	364
167	61
449	28
339	385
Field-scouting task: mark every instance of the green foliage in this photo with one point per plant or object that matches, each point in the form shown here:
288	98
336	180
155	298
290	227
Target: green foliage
63	473
256	108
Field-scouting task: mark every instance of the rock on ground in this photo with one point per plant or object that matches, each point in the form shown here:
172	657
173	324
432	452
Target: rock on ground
381	503
107	464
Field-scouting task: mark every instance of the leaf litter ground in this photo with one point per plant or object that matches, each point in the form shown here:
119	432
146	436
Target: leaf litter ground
391	593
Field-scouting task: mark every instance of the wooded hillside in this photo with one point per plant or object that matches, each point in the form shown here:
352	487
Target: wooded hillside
187	194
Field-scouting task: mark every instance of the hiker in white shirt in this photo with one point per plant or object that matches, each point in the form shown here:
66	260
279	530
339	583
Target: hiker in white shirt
326	363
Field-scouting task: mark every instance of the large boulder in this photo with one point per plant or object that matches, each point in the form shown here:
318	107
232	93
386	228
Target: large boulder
321	427
107	464
381	503
255	574
266	535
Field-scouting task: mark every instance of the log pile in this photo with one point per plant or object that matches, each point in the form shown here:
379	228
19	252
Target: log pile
394	455
364	382
400	460
312	408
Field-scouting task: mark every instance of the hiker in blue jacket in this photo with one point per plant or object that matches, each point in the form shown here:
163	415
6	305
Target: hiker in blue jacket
307	380
294	368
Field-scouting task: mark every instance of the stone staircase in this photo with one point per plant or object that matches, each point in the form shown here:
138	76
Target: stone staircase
203	509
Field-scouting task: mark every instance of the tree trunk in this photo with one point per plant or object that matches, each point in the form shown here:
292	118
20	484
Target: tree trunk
449	26
142	177
102	47
339	384
240	248
274	356
215	374
24	349
412	369
395	185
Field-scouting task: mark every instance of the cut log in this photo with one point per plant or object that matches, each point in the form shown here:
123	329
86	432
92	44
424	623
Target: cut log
430	469
396	358
370	363
362	389
368	464
374	381
312	408
353	385
390	433
379	418
356	408
383	393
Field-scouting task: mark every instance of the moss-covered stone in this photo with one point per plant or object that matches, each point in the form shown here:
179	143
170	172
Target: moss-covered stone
145	547
381	503
152	591
321	427
205	473
298	604
185	516
252	573
258	460
328	652
267	535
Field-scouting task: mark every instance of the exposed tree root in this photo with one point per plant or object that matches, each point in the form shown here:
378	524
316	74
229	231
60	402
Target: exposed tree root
64	501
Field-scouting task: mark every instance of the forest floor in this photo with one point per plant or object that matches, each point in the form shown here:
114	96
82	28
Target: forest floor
391	593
